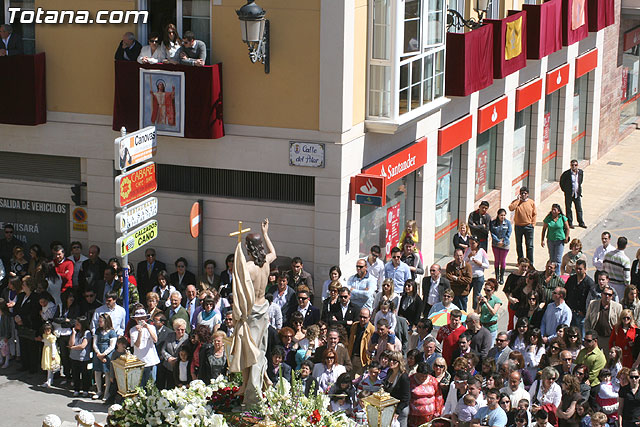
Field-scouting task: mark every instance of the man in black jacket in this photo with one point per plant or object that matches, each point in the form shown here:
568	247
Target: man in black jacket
129	48
345	313
571	185
578	287
11	43
148	272
479	224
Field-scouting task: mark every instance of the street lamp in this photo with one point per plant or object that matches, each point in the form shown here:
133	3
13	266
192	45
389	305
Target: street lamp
255	32
380	407
456	20
128	372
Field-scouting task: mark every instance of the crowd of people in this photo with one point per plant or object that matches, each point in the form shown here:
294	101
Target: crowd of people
165	48
568	357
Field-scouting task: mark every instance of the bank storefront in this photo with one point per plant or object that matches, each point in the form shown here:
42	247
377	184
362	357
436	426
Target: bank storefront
382	225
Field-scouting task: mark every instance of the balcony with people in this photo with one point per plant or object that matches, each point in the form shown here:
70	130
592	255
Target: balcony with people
24	80
168	84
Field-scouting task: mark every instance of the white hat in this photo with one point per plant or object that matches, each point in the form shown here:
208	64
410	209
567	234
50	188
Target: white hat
85	418
51	420
140	314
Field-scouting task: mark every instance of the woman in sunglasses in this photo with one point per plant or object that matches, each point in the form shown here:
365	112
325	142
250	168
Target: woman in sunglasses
624	335
573	340
629	401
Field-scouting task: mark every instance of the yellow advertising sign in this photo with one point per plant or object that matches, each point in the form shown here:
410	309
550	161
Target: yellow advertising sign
136	238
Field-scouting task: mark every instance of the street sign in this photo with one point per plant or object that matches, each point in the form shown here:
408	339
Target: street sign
195	218
136	147
135	184
136	214
137	238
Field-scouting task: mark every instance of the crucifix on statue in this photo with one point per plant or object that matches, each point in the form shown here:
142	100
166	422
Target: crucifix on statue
239	232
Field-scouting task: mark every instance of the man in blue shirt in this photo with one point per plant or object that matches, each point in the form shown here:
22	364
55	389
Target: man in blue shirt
557	313
492	415
397	270
363	286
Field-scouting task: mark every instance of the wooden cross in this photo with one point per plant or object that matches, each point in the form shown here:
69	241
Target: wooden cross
239	232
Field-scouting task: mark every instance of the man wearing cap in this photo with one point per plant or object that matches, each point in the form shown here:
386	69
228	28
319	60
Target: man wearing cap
479	224
143	339
524	220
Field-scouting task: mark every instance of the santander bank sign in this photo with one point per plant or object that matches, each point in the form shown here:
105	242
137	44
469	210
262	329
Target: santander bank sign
401	163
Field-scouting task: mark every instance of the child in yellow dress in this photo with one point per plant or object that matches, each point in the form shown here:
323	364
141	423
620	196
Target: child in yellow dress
410	230
50	357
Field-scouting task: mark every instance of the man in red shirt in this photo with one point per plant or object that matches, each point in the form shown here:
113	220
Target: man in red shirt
64	267
448	335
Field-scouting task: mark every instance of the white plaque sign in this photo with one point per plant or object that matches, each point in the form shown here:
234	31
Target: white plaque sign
309	154
136	214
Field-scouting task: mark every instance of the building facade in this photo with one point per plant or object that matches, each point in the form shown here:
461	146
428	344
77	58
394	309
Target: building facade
380	86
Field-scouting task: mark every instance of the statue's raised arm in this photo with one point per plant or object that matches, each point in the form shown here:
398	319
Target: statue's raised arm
271	256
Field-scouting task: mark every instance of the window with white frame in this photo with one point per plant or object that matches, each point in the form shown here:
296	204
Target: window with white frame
406	57
26	31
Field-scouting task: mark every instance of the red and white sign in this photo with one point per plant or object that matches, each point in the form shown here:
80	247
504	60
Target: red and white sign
586	62
631	38
528	94
195	219
136	184
557	78
454	134
492	114
625	81
546	145
393	228
481	173
368	190
401	163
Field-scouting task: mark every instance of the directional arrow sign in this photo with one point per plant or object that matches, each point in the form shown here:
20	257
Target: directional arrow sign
135	147
136	238
136	214
136	184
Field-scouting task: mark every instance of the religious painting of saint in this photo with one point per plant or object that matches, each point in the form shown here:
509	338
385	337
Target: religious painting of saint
162	101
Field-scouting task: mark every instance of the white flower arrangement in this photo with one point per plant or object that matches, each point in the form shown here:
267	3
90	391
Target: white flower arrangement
179	407
286	405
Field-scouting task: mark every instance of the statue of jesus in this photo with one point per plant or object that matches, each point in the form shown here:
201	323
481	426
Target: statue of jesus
250	312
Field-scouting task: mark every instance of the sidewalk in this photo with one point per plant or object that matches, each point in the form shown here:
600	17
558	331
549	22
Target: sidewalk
607	182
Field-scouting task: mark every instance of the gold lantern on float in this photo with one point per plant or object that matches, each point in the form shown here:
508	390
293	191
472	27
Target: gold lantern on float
380	407
128	372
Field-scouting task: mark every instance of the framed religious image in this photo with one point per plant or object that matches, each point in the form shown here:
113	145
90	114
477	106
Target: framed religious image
162	101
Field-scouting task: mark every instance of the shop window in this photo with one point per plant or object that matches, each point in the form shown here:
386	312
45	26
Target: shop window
26	31
187	15
383	225
486	162
550	138
630	94
405	78
579	129
447	202
521	148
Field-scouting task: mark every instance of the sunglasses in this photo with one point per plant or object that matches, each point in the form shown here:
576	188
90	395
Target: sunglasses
395	257
153	41
303	298
504	402
555	347
589	340
607	294
567	359
344	296
634	377
150	255
439	366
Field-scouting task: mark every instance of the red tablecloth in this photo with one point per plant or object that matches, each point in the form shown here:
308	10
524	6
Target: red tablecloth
203	98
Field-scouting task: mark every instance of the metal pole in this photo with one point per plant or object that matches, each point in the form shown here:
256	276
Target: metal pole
201	238
125	262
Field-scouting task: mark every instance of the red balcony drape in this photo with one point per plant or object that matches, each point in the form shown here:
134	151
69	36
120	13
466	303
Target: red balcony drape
469	61
203	98
501	66
24	89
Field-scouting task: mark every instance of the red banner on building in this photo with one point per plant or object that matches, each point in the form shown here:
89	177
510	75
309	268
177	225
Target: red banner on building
393	228
546	145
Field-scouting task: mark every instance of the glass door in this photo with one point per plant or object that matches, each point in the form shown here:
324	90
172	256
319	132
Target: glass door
550	138
447	202
521	147
579	130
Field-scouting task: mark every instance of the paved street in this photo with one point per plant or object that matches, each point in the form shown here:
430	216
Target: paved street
24	403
